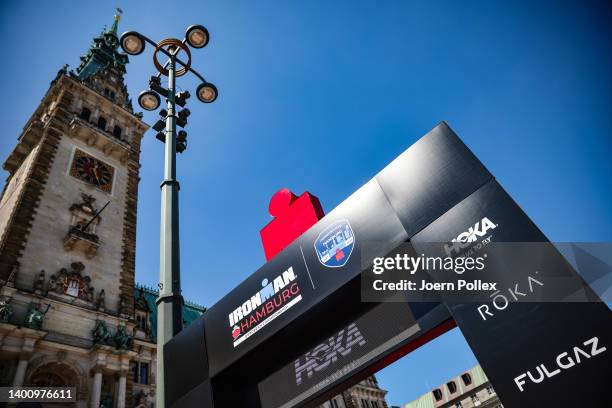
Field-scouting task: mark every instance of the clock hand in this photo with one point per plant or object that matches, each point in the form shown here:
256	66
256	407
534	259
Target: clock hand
95	172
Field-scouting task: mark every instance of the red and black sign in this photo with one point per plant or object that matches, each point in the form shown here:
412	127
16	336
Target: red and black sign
296	331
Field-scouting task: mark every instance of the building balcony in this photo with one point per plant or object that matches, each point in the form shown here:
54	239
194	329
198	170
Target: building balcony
101	139
77	239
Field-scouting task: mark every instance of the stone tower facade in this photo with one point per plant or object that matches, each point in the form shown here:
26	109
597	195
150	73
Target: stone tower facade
70	312
67	302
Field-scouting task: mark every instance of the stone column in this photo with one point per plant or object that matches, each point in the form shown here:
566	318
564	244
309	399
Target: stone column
96	388
121	389
22	366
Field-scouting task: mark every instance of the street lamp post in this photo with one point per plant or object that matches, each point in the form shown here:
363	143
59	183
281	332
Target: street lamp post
170	301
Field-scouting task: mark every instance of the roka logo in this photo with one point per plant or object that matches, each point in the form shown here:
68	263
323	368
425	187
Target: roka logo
464	239
327	353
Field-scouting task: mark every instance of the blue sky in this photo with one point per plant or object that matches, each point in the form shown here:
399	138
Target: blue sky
319	96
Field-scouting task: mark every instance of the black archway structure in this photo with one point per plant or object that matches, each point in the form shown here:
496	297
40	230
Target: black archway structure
313	336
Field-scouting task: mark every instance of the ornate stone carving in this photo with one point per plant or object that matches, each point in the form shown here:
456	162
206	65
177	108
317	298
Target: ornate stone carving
35	316
122	338
6	309
107	401
39	282
100	333
141	400
51	284
141	303
10	281
62	71
101	300
61	355
86	204
72	283
143	314
81	233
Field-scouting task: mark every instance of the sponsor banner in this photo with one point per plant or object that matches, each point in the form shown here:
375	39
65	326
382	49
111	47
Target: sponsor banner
535	353
273	316
274	298
426	180
320	262
303	303
334	247
270	298
332	360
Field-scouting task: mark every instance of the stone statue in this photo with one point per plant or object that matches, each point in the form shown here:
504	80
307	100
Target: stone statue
106	402
35	316
100	333
120	305
86	291
52	283
63	69
6	309
141	302
122	339
141	400
56	284
39	282
13	275
101	300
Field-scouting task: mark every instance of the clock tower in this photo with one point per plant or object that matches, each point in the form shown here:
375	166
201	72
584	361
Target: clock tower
67	267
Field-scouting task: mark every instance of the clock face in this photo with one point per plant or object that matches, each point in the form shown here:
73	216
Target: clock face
92	171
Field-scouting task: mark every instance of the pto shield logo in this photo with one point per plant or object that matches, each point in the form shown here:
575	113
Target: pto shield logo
335	243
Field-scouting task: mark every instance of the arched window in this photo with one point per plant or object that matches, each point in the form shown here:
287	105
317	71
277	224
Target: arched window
85	113
102	123
437	394
141	321
109	94
467	378
452	387
117	131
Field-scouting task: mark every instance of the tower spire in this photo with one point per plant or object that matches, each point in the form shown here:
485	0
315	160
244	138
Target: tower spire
116	19
103	65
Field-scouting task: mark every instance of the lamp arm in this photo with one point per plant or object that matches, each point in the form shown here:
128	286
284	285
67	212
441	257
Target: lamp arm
170	55
193	71
147	39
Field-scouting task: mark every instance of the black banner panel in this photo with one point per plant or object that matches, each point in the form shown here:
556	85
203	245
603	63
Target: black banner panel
301	276
536	354
297	331
410	192
430	177
355	347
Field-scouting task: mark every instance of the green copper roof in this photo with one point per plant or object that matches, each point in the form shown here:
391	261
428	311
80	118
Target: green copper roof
424	401
103	53
191	311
